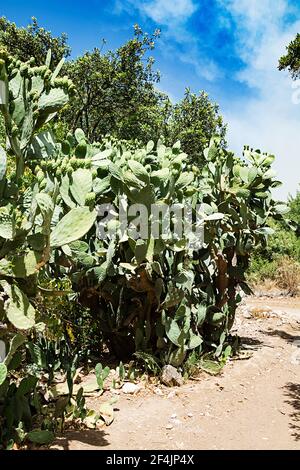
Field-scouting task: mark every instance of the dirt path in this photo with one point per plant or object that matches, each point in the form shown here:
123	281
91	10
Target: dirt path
253	404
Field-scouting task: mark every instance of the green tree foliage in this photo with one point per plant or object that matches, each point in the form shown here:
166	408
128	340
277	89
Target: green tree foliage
294	205
193	121
116	92
32	41
291	61
283	245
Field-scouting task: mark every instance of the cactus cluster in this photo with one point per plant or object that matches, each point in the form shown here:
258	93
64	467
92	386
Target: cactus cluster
155	295
186	299
32	222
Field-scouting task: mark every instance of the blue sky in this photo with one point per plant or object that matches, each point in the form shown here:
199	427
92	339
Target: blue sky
229	48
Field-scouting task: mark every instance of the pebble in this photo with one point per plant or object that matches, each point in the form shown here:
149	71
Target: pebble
131	388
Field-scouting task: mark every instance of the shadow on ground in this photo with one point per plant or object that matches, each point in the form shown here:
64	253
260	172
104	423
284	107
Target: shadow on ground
292	391
251	343
282	334
95	438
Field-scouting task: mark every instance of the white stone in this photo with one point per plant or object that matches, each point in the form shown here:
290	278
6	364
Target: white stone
131	388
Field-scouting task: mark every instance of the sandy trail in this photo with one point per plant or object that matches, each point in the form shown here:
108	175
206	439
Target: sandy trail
253	404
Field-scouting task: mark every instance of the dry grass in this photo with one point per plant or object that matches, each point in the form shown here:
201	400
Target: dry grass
288	276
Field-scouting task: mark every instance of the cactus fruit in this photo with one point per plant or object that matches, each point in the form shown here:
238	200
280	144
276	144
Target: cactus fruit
40	176
90	199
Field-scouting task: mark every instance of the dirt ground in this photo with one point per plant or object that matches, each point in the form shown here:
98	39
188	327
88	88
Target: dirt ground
253	404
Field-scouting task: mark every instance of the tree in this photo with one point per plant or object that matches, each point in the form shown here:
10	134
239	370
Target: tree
32	41
193	121
116	92
291	61
294	214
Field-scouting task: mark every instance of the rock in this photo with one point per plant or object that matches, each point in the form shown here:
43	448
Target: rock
173	416
158	391
171	394
190	415
169	426
131	388
170	377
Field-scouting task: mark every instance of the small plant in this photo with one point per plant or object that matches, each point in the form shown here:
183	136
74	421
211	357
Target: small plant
122	372
101	375
148	361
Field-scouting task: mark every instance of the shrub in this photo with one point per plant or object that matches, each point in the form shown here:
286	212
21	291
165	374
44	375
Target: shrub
288	275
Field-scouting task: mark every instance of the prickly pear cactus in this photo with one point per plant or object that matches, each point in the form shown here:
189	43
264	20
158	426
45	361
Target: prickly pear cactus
177	299
31	96
33	221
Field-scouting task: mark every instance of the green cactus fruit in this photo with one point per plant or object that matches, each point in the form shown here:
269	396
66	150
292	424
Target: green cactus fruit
40	176
14	130
58	172
81	150
23	70
88	163
32	61
72	90
55	164
74	163
90	198
63	167
43	184
69	169
49	165
48	75
94	173
190	191
81	163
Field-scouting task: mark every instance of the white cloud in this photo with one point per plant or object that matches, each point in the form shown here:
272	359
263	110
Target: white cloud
173	16
166	11
270	120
